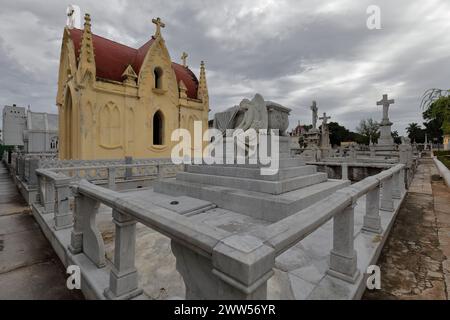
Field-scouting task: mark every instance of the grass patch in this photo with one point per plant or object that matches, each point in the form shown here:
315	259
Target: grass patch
444	157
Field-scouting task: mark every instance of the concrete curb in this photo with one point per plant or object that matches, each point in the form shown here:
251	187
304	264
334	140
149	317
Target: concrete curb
443	171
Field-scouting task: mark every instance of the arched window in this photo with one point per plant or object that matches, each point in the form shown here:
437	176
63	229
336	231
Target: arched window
158	128
158	78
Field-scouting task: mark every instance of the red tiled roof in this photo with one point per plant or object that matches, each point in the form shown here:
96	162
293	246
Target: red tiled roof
112	58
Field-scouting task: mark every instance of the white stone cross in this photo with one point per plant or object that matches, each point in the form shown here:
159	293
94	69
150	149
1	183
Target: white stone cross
183	58
324	119
159	25
385	103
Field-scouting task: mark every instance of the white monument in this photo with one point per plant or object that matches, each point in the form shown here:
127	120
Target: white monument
385	142
325	137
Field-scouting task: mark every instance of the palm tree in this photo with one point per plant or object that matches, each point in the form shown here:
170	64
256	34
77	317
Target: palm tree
415	132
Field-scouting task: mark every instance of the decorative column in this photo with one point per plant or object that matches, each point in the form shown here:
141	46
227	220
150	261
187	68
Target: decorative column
402	181
372	219
160	171
403	153
343	257
33	165
128	170
76	237
47	193
112	177
387	204
372	151
352	153
396	192
63	216
344	171
123	280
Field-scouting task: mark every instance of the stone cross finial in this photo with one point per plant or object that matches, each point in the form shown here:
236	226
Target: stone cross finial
183	58
314	114
159	25
324	119
385	102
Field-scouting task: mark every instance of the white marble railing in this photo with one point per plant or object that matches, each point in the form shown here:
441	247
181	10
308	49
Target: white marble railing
54	184
380	191
217	264
57	163
120	172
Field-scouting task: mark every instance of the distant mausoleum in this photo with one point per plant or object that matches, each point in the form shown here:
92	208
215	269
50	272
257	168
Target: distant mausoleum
34	132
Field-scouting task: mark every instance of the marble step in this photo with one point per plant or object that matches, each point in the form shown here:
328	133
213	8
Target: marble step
272	187
251	173
258	205
282	163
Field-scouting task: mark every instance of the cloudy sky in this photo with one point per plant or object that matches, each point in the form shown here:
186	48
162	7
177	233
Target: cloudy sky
291	52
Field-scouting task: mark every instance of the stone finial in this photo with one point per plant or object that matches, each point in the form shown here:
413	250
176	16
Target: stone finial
183	58
86	58
87	21
202	86
159	24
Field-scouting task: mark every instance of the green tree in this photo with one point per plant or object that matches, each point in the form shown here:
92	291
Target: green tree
368	128
338	133
415	132
436	106
396	137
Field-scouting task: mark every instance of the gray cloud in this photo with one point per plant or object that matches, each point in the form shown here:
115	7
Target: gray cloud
289	51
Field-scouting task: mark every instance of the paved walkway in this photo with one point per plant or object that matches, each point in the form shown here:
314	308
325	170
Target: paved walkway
415	263
29	269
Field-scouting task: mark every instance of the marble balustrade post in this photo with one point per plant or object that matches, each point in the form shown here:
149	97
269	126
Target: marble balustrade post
123	281
387	202
63	215
343	257
372	219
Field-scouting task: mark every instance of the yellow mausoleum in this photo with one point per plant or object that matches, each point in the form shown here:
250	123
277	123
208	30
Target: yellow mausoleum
116	101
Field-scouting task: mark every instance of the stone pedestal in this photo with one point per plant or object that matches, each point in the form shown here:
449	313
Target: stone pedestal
385	134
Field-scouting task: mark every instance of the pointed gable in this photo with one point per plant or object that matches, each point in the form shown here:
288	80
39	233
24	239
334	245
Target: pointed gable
113	58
